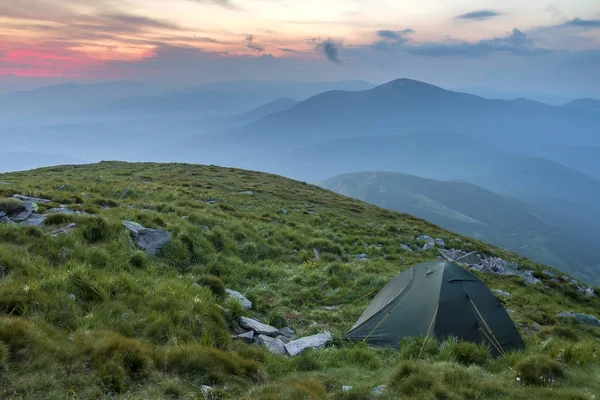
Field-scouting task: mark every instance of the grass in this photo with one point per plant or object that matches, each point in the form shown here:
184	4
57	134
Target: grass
88	315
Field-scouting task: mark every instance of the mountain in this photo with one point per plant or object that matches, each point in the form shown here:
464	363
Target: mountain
87	313
584	104
472	211
404	106
266	109
225	98
25	160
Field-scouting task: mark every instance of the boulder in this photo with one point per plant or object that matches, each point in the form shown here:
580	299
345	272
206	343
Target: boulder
428	245
284	211
287	332
299	346
346	388
211	202
500	292
589	291
65	230
34	220
316	253
378	391
361	257
583	318
23	212
258	327
204	228
406	247
6	220
424	238
247	337
246	304
439	242
206	391
125	192
549	273
150	240
274	345
31	199
283	338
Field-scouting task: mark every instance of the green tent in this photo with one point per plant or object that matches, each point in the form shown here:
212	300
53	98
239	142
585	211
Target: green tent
436	299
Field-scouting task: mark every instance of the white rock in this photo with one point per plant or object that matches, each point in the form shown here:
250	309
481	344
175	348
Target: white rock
258	327
429	245
247	337
147	239
439	242
274	345
346	388
501	293
378	391
246	304
32	199
299	346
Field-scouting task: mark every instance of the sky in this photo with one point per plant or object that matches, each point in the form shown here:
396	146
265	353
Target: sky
537	46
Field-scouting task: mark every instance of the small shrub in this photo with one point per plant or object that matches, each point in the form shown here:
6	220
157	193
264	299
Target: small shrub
106	203
307	362
277	319
57	219
96	229
411	378
139	260
215	284
538	370
112	376
411	347
10	205
564	332
470	353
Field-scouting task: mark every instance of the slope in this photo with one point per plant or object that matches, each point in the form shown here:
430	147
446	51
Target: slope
584	104
468	210
85	314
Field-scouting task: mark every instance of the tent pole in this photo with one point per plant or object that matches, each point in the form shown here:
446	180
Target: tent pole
429	330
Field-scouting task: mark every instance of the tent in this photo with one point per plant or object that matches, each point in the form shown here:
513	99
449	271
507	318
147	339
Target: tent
437	299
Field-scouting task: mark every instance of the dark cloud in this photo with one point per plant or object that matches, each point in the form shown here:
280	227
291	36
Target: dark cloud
250	43
583	23
391	39
330	49
136	22
516	43
479	15
286	50
394	35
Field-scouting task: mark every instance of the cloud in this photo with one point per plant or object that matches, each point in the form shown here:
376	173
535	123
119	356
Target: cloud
250	43
223	3
286	50
516	43
134	22
479	15
330	49
391	39
583	23
394	35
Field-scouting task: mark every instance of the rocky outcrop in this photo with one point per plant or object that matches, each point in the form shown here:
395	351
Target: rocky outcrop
430	242
274	345
150	240
299	346
258	327
585	319
247	337
246	304
31	199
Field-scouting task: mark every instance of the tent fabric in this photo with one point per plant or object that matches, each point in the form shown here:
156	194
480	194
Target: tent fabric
441	295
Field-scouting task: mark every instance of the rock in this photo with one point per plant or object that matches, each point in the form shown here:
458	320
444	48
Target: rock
62	187
589	291
439	242
65	230
283	338
424	238
312	212
211	202
284	211
205	228
299	346
565	278
5	183
71	296
583	318
65	210
206	391
316	253
501	293
406	247
361	257
331	308
31	199
428	245
125	192
274	345
2	213
248	192
346	388
34	220
378	391
6	220
549	273
258	327
287	332
574	282
247	337
246	304
150	240
23	212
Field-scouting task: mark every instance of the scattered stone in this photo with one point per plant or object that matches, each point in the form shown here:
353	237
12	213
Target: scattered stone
258	327
439	242
34	220
378	391
31	199
65	230
361	257
185	217
206	391
71	296
287	332
211	202
331	308
274	345
299	346
2	213
549	273
150	240
565	278
125	192
65	210
247	337
501	293
583	318
428	245
346	388
406	247
62	187
424	238
205	228
589	291
246	304
248	192
283	338
574	282
316	252
23	212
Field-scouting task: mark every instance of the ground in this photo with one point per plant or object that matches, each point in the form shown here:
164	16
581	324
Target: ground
88	315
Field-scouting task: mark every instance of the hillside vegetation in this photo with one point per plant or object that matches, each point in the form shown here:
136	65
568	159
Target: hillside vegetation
87	315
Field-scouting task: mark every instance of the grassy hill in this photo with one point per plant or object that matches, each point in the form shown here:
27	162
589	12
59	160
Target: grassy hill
472	211
87	315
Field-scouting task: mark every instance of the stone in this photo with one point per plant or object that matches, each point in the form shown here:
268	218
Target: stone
247	337
65	230
406	247
65	210
31	199
125	192
361	257
62	187
23	212
439	242
258	327
574	282
206	391
287	332
274	345
312	212
316	253
71	296
549	273
205	228
589	291
34	220
583	318
500	292
248	192
424	238
346	388
299	346
246	304
284	339
428	245
5	183
211	202
330	308
150	240
6	220
284	211
378	391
